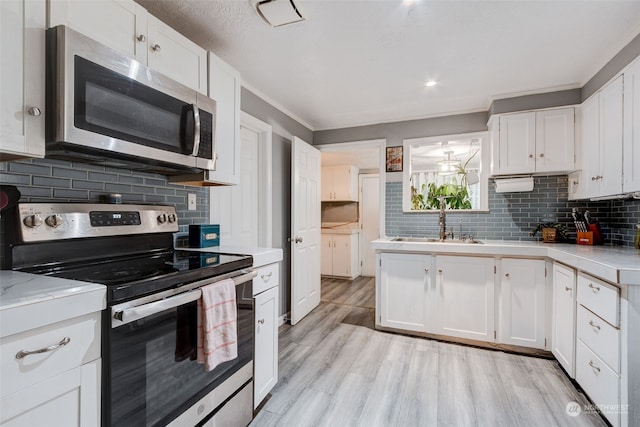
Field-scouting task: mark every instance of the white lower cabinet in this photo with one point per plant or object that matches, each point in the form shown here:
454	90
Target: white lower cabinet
563	321
404	288
60	386
340	255
464	297
265	361
522	303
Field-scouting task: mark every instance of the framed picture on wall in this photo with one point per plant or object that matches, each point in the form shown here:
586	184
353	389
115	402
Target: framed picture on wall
394	159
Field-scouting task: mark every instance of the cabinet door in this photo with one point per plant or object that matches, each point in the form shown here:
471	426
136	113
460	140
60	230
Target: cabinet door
631	166
224	87
175	56
326	254
611	138
22	58
563	343
576	186
555	140
266	346
591	146
69	399
522	301
342	255
518	143
404	288
326	186
465	297
345	183
119	24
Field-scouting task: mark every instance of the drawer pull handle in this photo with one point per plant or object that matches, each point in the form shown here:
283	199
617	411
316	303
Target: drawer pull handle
566	288
261	321
594	287
593	325
24	353
595	368
266	277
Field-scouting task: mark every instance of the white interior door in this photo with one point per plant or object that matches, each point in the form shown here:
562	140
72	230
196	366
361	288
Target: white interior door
369	221
305	229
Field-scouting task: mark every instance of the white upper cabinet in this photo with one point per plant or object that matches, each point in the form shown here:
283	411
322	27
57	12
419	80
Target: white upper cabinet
533	142
22	58
631	149
127	27
224	88
602	120
339	184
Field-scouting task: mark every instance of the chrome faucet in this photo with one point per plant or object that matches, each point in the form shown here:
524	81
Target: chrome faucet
442	220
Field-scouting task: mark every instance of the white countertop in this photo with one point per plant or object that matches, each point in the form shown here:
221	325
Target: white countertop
29	301
615	264
261	256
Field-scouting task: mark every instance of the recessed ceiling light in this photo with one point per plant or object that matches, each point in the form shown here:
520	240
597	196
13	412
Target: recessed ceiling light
430	83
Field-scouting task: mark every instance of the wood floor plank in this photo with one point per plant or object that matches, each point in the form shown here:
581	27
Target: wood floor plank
335	372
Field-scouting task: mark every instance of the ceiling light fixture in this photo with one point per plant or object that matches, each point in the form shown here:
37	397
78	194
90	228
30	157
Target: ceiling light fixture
430	83
448	166
279	12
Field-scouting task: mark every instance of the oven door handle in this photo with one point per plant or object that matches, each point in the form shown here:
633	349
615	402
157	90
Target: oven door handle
134	313
131	314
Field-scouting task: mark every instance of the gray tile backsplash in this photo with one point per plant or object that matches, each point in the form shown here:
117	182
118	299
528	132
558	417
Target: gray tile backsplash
45	180
512	216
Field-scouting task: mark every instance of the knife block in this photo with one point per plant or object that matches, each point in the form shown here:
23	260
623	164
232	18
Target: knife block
584	238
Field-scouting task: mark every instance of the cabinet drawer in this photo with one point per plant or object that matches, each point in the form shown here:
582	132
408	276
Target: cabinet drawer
268	277
602	338
83	347
601	298
597	380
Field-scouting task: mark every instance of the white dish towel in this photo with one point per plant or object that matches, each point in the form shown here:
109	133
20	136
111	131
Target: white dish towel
217	324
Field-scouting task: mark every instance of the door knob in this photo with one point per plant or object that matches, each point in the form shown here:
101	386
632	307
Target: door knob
298	239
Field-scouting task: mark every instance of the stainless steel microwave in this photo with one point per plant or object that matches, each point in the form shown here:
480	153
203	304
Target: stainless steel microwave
106	108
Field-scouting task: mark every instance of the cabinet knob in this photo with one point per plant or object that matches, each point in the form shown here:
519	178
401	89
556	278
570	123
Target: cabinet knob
141	38
298	239
34	111
156	48
506	275
566	288
541	154
426	270
439	270
531	156
261	321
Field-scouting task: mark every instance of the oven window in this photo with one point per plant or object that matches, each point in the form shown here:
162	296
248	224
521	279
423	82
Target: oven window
152	378
114	105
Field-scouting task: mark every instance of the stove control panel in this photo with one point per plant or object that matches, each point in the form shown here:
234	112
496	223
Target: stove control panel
57	221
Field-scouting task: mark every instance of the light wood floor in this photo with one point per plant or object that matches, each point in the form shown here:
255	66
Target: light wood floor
335	370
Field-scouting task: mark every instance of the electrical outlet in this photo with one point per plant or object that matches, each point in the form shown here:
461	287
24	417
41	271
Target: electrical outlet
191	202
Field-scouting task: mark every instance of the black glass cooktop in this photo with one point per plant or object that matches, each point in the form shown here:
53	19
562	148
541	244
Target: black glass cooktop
134	276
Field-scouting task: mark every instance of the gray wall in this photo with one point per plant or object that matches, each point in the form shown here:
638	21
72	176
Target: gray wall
397	131
284	129
512	216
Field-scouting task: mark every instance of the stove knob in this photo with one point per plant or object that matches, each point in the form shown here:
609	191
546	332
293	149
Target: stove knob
54	220
32	221
162	218
172	217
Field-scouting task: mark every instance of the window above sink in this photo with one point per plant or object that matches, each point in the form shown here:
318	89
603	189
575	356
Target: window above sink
453	166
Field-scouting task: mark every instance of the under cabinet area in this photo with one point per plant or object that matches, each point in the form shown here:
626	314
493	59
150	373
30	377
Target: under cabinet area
522	302
339	184
127	27
533	142
340	254
22	86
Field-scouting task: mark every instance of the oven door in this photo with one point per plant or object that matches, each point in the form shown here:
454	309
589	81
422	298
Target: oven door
150	375
107	103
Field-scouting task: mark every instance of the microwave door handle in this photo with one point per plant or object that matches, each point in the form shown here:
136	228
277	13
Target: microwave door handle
196	130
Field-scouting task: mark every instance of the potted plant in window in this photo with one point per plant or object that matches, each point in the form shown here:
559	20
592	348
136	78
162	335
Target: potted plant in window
551	231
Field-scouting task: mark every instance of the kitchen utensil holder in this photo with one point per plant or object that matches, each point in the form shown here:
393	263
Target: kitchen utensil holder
584	238
591	237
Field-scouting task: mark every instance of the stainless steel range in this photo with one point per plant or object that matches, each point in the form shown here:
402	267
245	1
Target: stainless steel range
150	376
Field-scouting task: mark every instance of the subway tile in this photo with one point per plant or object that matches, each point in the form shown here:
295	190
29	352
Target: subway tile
51	182
29	168
64	193
69	173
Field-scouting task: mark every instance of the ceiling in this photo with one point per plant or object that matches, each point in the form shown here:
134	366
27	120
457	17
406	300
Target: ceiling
367	61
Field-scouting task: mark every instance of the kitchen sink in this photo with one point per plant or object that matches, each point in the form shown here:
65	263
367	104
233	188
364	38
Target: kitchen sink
432	240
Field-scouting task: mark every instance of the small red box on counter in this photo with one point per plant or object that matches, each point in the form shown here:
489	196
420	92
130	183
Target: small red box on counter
591	237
